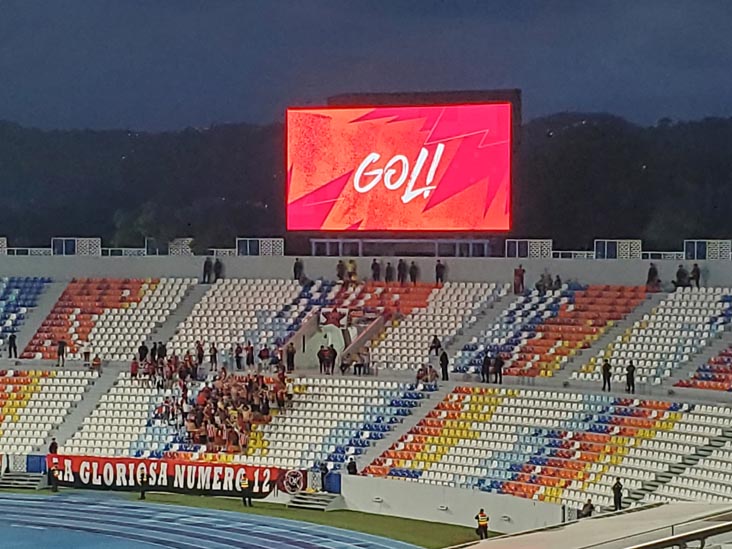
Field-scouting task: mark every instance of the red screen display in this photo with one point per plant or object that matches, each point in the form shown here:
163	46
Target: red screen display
420	168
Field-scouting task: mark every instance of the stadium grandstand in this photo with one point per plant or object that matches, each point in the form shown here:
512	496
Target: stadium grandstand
327	392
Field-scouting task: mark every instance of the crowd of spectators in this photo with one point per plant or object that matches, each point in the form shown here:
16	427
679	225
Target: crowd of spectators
220	416
684	278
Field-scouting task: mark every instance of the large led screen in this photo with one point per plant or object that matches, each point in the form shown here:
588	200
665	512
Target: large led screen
417	168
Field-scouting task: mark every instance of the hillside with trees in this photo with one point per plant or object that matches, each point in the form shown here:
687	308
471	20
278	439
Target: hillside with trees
578	177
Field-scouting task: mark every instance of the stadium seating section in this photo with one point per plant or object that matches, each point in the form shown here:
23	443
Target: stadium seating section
715	375
35	402
679	328
541	331
235	311
123	423
17	296
710	480
448	310
333	419
550	446
110	317
535	442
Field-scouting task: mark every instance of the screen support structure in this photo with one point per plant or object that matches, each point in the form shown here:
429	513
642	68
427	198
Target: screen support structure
373	247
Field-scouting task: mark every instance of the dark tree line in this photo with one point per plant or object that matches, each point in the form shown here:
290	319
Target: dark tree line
578	177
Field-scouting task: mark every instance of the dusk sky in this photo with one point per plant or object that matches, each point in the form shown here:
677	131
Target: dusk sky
168	64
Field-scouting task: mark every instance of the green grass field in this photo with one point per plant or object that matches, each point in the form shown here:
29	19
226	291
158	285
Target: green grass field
430	535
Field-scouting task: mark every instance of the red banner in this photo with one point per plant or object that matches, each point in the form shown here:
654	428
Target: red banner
413	168
169	475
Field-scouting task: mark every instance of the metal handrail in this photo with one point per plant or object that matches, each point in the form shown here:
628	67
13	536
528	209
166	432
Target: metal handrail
603	516
679	540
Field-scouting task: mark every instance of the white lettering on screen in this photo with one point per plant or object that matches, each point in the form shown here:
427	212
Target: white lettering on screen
399	164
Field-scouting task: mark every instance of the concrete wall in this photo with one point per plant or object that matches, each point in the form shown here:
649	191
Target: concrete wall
715	273
508	514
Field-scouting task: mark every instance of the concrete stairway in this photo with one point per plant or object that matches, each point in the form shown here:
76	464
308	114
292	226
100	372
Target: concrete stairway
316	501
167	330
664	477
688	368
405	426
84	408
38	314
22	481
581	358
486	317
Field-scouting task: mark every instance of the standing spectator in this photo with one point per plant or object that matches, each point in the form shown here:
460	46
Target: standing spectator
226	355
389	273
352	272
154	353
142	351
630	377
218	269
435	345
61	352
413	272
162	351
86	354
53	450
249	354
402	272
440	273
485	368
323	475
12	346
263	357
518	280
618	494
199	353
341	270
557	283
53	474
237	356
482	529
444	361
142	481
606	374
332	357
653	283
213	356
695	274
134	368
207	266
298	269
322	360
682	278
498	370
587	509
375	270
96	364
290	357
351	467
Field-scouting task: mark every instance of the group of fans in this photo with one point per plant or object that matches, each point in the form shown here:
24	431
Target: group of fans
347	271
221	414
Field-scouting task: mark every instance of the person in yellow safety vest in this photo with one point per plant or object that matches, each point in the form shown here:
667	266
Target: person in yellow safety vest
482	529
246	492
142	481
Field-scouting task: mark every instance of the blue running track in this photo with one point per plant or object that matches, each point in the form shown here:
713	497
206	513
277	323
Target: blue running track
94	521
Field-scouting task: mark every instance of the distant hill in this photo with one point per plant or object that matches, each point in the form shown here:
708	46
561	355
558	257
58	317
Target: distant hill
579	176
